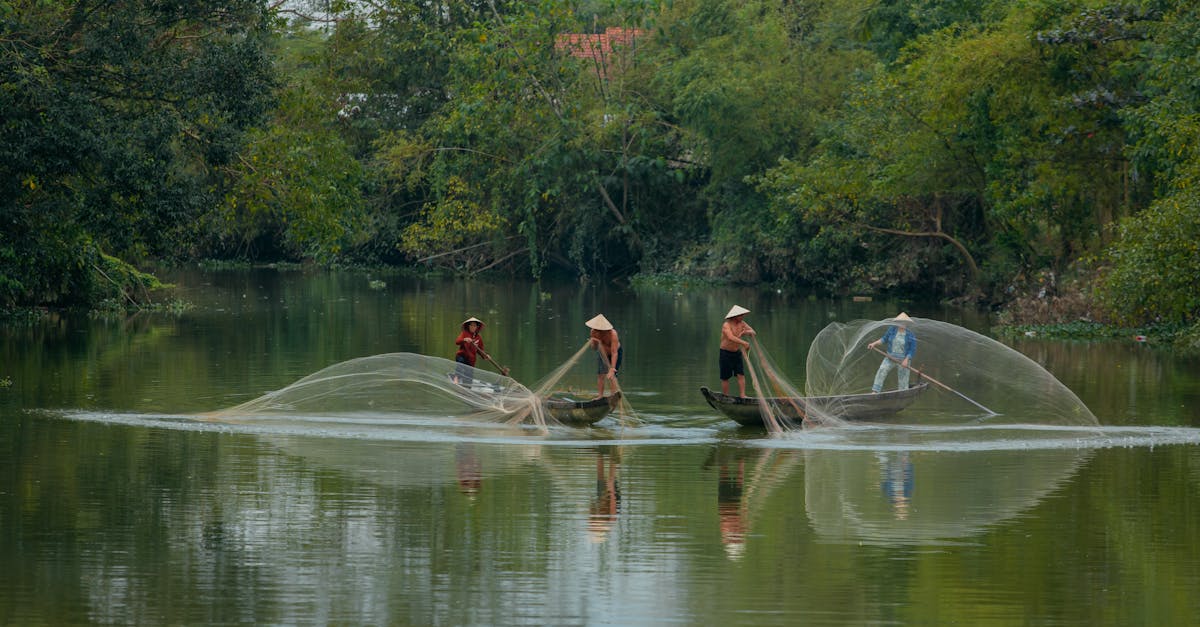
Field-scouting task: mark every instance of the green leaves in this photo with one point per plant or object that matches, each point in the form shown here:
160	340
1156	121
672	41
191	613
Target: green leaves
116	116
296	184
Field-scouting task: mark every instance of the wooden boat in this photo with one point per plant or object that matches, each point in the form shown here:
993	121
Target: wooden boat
746	411
580	413
566	411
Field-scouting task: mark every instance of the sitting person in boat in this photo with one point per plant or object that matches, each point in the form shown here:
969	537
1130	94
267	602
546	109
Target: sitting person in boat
730	361
470	343
610	354
901	345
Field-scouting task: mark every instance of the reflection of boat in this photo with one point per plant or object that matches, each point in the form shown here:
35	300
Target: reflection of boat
562	409
746	411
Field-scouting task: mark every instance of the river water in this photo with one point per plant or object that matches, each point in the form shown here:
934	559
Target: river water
119	505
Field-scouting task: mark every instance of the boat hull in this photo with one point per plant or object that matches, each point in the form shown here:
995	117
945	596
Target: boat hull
580	413
857	407
564	410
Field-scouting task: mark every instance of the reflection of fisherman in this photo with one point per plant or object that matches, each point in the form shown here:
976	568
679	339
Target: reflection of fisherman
896	482
469	344
901	345
602	514
730	483
467	470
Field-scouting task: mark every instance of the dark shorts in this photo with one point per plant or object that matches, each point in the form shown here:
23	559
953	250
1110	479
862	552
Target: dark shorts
731	364
463	369
602	368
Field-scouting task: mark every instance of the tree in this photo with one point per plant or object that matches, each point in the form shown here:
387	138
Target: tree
1152	267
115	115
730	82
296	188
998	143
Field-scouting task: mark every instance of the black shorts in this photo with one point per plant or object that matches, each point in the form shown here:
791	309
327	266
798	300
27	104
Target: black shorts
731	364
463	369
602	368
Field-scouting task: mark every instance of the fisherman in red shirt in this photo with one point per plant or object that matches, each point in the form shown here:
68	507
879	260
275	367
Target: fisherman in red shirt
470	344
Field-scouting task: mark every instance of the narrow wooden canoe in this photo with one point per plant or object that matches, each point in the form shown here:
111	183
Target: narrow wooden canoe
564	410
846	407
580	413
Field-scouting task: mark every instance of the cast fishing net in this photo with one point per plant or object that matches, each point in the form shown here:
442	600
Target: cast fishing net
412	384
956	375
969	376
396	383
780	403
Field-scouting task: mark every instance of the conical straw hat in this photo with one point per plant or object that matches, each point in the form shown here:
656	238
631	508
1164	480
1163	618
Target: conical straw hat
599	323
737	310
470	320
903	317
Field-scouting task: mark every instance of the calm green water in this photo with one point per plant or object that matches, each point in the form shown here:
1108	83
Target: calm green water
117	507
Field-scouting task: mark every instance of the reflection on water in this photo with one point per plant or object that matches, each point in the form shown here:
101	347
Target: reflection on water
602	515
731	483
896	481
120	505
906	497
746	478
468	471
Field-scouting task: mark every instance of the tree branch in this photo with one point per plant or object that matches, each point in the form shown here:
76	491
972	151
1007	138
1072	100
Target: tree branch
938	234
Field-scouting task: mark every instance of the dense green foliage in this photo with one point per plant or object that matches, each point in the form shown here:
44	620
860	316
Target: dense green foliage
1156	260
940	147
114	116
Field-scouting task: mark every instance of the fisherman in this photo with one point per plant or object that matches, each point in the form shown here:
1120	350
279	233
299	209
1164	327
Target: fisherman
470	344
609	351
730	361
901	345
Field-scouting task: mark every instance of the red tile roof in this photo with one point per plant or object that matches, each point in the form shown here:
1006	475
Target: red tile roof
597	46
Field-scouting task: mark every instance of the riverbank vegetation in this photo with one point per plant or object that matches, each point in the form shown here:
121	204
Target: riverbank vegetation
1040	155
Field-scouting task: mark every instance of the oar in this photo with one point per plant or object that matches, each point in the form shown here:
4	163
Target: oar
935	381
503	370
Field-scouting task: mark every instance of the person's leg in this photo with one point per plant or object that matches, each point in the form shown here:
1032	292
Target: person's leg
885	367
601	373
902	379
741	385
462	370
725	387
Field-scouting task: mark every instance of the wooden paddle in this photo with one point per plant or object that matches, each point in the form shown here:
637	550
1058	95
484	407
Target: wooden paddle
900	363
503	370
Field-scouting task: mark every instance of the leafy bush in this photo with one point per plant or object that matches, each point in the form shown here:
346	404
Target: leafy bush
1155	264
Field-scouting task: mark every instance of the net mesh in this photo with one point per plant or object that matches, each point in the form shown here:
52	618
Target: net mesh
408	383
400	383
969	376
779	401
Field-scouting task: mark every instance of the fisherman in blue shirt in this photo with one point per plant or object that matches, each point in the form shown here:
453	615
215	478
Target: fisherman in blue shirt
901	345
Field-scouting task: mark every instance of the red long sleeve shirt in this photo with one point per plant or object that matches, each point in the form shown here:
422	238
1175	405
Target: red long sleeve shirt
466	347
